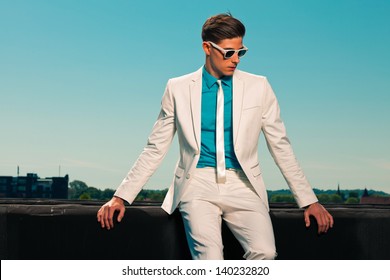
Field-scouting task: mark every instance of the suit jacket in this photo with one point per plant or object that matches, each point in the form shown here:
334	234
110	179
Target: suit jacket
255	110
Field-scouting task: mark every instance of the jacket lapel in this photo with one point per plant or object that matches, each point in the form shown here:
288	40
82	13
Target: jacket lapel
196	99
238	95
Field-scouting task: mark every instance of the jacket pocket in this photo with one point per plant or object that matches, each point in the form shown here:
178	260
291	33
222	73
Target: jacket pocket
256	171
251	108
179	172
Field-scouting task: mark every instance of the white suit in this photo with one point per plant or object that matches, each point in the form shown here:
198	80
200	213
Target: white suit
255	110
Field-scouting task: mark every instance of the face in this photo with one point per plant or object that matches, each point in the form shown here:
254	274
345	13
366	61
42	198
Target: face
216	64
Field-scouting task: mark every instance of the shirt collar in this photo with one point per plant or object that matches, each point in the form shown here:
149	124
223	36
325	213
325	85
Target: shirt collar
211	80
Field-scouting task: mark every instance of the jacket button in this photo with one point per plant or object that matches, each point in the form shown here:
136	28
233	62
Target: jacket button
188	176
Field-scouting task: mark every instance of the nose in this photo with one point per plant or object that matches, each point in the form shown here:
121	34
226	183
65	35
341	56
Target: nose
235	58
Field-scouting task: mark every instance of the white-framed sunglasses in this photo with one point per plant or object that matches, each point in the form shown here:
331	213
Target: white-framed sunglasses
229	53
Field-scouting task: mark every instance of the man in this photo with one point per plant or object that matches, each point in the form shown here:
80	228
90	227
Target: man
218	113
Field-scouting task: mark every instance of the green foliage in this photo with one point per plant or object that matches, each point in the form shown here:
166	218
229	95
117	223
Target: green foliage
329	198
80	190
76	189
379	195
107	194
85	196
352	200
151	195
335	198
282	198
94	193
323	198
353	194
331	195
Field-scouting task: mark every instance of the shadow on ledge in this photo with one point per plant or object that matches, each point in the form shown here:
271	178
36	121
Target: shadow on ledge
68	230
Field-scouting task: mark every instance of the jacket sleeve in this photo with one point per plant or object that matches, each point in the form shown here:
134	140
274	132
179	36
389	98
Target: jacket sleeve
281	150
154	152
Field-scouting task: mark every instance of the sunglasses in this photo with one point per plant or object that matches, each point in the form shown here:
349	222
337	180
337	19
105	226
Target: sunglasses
229	53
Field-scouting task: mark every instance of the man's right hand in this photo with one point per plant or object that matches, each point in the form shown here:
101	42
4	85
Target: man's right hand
106	212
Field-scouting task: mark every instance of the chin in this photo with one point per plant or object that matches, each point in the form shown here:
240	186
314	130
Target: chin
229	73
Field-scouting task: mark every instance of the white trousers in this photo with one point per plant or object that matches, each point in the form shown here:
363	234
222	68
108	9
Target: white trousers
206	203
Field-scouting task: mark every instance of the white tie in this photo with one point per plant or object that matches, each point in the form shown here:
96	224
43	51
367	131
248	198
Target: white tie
220	133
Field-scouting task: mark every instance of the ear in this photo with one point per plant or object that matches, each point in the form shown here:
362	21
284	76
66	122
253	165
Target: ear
206	48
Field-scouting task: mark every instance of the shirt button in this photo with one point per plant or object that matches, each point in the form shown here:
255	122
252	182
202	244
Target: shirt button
188	176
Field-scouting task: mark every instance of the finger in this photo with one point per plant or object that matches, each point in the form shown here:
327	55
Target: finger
100	218
307	218
321	228
121	214
111	217
324	221
331	221
320	223
103	223
106	220
98	215
326	224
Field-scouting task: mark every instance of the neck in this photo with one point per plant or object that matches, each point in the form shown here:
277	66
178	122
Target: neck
212	71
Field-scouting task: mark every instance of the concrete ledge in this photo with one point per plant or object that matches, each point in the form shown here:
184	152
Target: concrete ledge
68	230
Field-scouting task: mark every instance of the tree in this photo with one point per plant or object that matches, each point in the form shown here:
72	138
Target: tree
282	198
157	196
76	189
107	194
151	195
94	192
335	198
85	196
323	198
353	194
352	200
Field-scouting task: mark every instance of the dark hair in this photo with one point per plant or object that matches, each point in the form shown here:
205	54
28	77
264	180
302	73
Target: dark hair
222	26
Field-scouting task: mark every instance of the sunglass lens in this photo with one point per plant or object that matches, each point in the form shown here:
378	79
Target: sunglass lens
241	53
229	54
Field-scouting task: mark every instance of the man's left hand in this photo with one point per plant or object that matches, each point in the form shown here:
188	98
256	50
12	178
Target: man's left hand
324	219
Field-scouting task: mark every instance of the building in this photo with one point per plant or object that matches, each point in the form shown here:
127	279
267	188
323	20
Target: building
31	186
375	200
367	199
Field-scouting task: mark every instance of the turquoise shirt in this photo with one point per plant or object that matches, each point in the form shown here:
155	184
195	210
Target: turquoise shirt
208	121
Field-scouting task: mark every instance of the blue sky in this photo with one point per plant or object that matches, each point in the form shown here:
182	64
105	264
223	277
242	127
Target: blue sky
81	84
